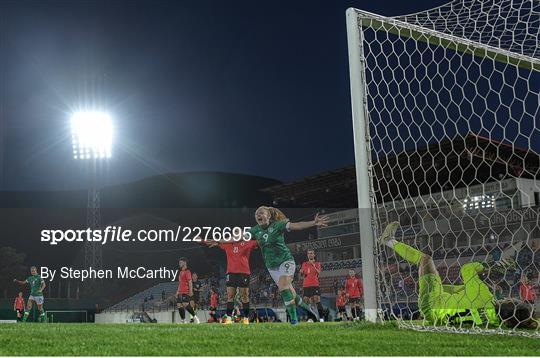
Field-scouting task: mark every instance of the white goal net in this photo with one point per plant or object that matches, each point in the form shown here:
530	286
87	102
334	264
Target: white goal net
448	100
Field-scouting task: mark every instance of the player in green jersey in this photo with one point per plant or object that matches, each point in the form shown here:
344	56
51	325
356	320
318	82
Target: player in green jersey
37	284
472	302
269	231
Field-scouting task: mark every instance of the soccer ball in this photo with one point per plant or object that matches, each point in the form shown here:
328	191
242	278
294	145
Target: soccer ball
310	320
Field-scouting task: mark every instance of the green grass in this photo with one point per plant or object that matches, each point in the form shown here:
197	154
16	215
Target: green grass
256	339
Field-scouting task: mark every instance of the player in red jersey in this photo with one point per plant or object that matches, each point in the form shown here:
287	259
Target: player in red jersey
341	301
184	295
213	304
310	271
355	291
238	271
18	306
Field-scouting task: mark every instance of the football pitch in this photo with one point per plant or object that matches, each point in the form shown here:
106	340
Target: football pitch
256	339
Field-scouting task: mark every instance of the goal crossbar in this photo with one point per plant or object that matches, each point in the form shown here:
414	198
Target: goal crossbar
434	37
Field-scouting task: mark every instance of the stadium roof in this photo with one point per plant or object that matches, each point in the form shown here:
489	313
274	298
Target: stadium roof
456	163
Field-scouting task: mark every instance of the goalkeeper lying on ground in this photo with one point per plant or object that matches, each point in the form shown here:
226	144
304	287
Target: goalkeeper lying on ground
471	302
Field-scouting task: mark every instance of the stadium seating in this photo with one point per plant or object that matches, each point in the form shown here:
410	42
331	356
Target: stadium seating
137	301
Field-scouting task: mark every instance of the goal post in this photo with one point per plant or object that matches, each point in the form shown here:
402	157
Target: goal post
446	121
362	150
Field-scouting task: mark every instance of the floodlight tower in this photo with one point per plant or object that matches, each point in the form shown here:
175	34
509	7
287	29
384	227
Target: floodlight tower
92	134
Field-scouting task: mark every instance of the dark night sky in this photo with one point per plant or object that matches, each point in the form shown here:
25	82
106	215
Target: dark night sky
255	87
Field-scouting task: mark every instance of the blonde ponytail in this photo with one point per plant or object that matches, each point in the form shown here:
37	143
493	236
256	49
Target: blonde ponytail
276	214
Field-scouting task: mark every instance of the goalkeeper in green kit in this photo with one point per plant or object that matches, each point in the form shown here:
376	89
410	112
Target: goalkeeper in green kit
472	302
37	284
269	231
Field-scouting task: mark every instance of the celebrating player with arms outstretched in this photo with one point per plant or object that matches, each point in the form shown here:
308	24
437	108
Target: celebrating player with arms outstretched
471	302
37	284
310	271
238	271
271	225
184	294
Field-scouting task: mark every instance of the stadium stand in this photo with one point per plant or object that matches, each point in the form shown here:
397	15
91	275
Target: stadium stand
158	297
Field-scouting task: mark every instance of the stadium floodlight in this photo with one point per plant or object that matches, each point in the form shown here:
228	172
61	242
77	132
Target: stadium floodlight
92	134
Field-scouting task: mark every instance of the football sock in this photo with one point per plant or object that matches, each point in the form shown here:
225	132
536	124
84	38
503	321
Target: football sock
353	312
26	314
320	310
408	253
245	308
390	243
190	310
300	302
182	312
290	306
230	308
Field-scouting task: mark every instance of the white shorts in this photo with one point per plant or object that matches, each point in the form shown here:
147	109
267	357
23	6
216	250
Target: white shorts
37	299
287	268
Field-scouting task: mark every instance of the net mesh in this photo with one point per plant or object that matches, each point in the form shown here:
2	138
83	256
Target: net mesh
452	98
512	25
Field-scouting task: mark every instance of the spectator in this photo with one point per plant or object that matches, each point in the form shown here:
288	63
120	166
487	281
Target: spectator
525	256
496	253
401	285
536	255
526	290
498	292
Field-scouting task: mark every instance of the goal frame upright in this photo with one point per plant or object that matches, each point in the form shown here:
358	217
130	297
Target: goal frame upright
362	162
